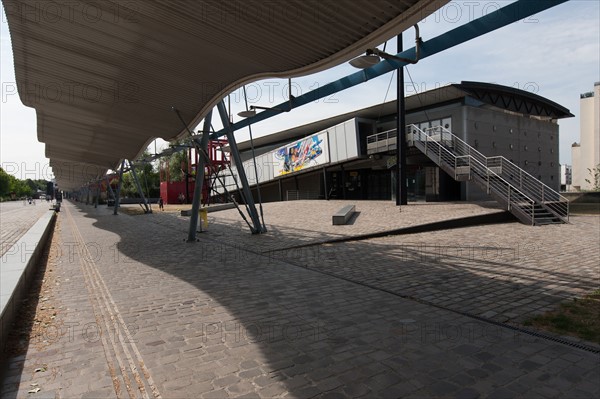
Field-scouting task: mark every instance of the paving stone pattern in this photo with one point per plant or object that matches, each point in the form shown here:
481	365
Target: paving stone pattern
232	316
16	217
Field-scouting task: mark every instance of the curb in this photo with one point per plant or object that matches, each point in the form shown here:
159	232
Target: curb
17	267
467	221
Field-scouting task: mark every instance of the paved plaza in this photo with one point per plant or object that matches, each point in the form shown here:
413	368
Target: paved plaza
138	312
16	217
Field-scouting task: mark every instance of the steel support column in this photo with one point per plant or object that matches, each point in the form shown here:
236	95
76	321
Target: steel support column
401	194
257	227
139	187
280	186
110	190
325	183
97	199
202	160
118	193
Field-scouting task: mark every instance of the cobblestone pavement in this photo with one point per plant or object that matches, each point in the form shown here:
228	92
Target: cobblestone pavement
230	317
508	272
16	218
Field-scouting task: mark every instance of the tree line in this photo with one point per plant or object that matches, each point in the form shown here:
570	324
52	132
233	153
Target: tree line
148	174
13	188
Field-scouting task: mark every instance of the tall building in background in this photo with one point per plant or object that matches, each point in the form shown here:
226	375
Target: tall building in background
566	174
586	153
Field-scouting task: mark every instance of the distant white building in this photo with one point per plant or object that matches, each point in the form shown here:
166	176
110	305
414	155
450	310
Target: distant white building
586	153
566	177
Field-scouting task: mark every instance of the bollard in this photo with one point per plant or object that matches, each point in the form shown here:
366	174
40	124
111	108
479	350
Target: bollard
202	219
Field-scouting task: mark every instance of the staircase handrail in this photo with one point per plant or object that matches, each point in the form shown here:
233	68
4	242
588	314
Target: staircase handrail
538	189
483	167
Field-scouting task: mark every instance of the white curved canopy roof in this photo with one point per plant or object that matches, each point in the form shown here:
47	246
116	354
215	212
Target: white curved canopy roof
103	76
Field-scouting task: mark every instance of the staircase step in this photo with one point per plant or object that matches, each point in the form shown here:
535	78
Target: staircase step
490	178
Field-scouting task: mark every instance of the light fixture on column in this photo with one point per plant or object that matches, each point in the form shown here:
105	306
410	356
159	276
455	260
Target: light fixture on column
252	111
365	61
374	55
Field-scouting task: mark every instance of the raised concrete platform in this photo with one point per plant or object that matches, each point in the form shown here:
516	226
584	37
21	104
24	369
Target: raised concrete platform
210	208
17	266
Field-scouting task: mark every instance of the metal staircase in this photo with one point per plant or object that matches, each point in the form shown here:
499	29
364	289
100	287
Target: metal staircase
530	200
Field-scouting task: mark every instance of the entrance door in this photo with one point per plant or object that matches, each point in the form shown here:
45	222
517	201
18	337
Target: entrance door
416	183
379	185
353	185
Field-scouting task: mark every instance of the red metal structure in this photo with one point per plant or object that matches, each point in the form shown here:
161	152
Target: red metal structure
179	192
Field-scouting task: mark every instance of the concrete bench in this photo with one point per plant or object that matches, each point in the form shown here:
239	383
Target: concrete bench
343	215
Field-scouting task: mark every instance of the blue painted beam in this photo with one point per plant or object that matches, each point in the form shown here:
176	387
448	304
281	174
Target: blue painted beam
471	30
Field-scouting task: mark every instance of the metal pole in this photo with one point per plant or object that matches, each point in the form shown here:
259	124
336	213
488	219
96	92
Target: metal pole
325	183
139	187
97	194
118	194
199	178
112	192
257	228
280	185
187	175
401	194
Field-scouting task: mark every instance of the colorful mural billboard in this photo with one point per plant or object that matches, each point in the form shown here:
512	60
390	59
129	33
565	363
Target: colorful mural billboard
302	154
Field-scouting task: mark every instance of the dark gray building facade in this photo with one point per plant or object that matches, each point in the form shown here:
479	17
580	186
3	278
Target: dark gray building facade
361	149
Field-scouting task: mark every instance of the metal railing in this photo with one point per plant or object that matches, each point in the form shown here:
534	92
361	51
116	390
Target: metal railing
382	141
440	147
295	195
459	159
549	198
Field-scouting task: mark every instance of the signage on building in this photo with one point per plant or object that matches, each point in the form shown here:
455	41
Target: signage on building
391	161
301	155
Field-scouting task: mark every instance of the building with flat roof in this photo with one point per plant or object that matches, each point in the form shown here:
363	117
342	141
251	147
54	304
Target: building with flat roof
566	177
586	154
352	156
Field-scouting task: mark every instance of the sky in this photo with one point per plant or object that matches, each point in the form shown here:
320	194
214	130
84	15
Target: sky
555	54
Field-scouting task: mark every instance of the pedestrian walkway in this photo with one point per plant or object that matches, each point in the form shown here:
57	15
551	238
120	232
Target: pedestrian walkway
141	313
16	217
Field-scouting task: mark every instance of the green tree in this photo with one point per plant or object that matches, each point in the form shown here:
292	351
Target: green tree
20	187
594	179
178	162
148	177
5	182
